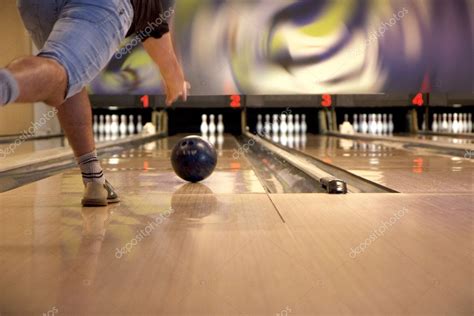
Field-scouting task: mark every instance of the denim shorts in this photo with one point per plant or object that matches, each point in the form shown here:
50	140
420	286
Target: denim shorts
82	35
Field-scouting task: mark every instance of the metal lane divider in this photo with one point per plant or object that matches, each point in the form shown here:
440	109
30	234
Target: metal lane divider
334	179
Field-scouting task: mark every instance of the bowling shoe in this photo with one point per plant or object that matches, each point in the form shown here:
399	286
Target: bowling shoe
96	194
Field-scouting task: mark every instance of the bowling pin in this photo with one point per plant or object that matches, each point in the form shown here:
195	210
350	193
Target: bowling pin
297	126
434	124
457	126
95	126
469	123
139	124
268	125
364	125
131	126
379	124
123	125
204	126
444	123
275	125
259	125
373	124
465	124
108	124
114	127
212	124
283	124
304	126
101	125
391	126
450	123
291	125
356	123
220	124
384	124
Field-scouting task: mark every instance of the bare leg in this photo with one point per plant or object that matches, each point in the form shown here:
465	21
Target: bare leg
75	116
39	79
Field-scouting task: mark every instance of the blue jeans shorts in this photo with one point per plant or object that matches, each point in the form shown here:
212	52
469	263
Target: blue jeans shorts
81	35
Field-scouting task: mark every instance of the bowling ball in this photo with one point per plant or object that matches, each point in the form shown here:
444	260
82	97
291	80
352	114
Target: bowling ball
193	158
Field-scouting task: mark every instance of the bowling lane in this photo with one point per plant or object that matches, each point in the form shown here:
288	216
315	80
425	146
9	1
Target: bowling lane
225	247
57	254
408	170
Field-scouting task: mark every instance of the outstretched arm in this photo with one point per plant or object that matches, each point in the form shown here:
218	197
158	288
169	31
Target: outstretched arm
162	52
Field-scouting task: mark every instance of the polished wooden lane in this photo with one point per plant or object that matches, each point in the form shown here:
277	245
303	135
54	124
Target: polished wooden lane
407	170
225	247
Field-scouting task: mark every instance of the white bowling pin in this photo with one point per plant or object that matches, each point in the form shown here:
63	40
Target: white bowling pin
304	126
444	123
212	124
291	126
465	124
297	124
469	123
268	125
391	126
275	125
114	127
220	124
364	124
139	124
123	125
457	126
101	125
434	124
373	124
204	126
384	124
355	123
283	124
379	124
131	125
259	125
450	123
108	123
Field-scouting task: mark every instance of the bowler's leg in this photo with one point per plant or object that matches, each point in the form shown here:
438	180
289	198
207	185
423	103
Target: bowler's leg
75	116
33	79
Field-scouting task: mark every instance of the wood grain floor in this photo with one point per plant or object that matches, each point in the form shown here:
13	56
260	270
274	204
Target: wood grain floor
225	247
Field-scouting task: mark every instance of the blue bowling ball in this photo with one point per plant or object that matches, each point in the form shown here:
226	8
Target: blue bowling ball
193	158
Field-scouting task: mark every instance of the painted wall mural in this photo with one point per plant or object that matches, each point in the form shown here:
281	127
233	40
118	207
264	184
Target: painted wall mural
307	47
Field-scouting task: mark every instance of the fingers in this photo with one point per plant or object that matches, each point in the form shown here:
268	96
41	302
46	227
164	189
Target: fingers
172	97
186	87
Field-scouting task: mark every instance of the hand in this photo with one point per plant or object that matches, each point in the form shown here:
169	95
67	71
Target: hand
176	88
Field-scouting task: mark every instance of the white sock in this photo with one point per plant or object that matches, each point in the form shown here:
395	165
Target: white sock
9	90
90	168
